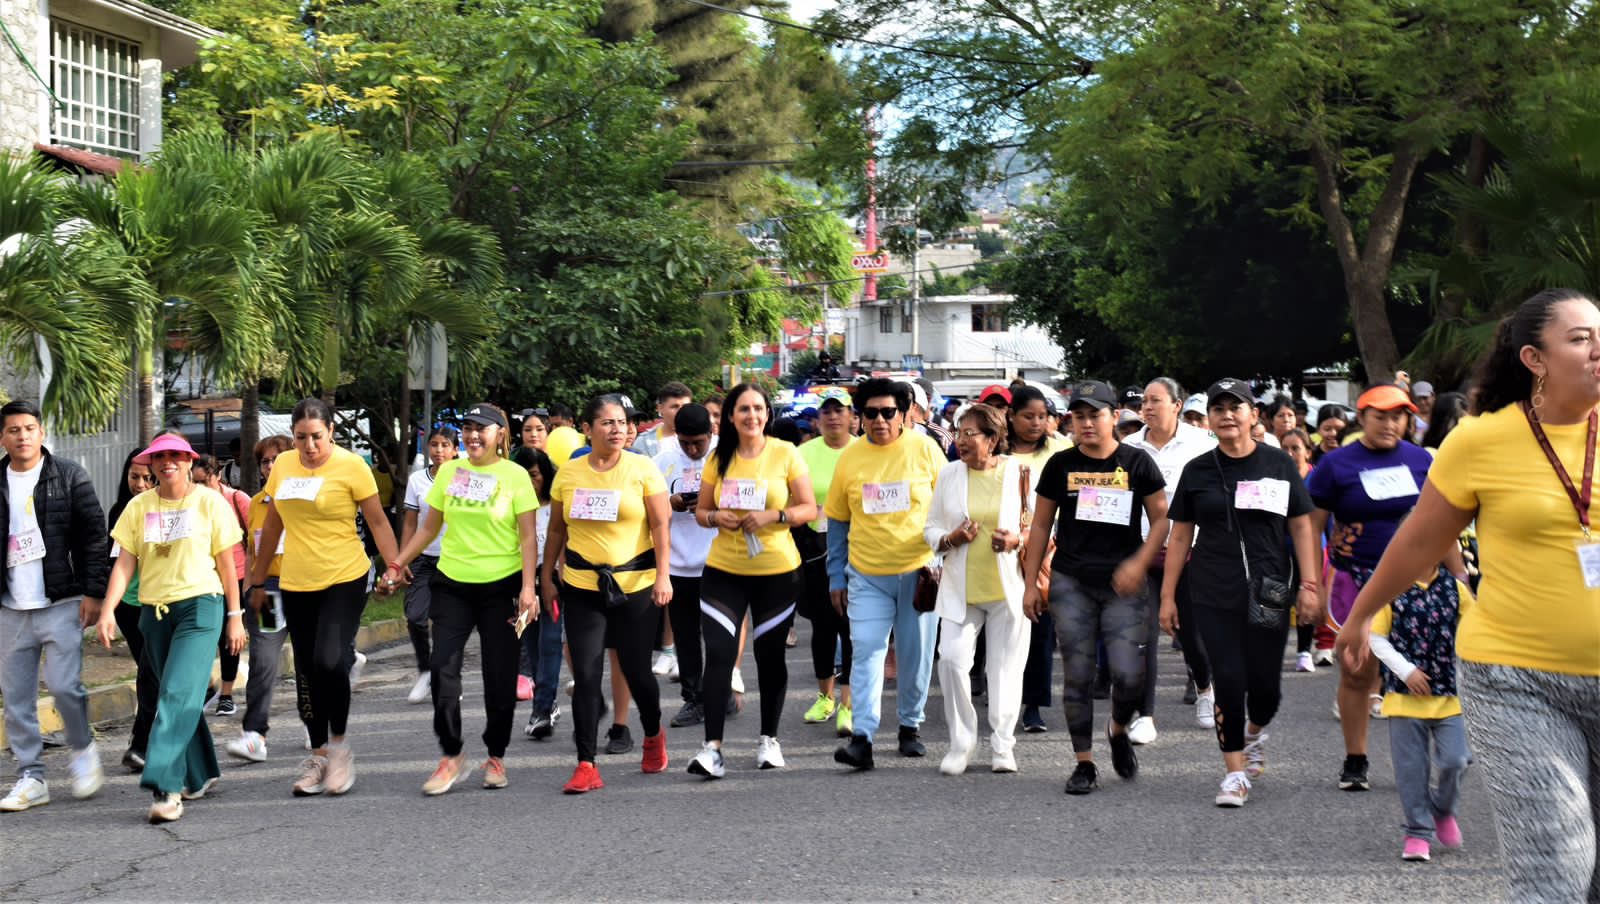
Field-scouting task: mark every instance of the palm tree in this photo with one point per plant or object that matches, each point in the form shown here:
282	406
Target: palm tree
66	291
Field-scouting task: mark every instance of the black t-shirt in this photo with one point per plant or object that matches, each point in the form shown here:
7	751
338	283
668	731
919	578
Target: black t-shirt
1206	497
1091	550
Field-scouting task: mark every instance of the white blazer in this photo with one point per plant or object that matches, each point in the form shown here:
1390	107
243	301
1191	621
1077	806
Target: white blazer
948	510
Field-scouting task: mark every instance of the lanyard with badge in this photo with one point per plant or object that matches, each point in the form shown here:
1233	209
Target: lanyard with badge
1588	549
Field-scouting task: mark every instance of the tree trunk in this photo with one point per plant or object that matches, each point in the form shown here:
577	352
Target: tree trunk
402	446
1366	266
1468	232
249	435
148	424
330	366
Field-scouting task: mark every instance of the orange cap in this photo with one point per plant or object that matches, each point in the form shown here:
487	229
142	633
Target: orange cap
1385	398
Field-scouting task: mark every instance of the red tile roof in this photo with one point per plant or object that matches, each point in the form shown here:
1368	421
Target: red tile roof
88	161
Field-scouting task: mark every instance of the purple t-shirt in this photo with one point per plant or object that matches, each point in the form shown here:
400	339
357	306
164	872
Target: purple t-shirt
1368	492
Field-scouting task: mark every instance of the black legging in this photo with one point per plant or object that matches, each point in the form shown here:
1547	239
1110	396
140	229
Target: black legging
829	629
633	627
1036	673
1247	667
456	608
147	684
770	601
1195	654
322	629
684	613
229	669
1085	613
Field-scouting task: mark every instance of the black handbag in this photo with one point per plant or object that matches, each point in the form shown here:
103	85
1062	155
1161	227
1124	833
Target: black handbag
1268	599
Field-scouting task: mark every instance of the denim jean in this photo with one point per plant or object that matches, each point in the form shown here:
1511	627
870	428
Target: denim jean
877	605
1430	757
541	658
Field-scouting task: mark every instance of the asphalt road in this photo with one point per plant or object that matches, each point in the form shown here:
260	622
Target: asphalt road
810	832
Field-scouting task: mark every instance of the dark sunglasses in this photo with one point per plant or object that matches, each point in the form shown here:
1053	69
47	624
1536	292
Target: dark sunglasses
887	414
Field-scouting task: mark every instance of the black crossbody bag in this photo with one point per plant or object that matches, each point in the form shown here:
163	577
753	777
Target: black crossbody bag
1269	599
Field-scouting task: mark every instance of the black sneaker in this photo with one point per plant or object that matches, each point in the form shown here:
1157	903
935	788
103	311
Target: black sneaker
618	740
225	705
1190	693
857	753
1123	759
541	725
1032	721
133	760
1354	775
910	743
1084	779
690	714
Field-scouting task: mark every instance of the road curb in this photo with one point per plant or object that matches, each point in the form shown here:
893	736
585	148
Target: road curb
117	702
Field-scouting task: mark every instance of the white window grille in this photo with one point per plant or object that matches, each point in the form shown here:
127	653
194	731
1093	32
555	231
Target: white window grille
96	76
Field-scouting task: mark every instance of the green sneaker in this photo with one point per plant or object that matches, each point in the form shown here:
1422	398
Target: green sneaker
843	725
820	711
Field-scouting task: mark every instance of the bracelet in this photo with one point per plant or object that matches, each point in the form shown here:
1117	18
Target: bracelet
255	587
397	566
237	613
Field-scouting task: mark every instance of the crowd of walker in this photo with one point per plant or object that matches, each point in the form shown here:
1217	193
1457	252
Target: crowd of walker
1438	549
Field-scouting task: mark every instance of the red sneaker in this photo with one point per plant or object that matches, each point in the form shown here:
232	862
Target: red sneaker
655	752
584	778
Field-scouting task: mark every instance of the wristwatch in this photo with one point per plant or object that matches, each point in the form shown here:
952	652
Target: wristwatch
783	516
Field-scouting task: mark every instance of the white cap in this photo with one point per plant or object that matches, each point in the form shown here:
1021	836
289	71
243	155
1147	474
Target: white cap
919	395
1195	403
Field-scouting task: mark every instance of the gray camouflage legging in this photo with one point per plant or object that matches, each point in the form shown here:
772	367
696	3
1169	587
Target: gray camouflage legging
1537	735
1082	615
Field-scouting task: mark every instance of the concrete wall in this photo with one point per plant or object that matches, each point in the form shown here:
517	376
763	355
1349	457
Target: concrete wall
23	101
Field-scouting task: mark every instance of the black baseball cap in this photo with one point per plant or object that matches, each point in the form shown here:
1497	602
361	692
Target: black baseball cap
1093	392
1227	386
1132	396
485	415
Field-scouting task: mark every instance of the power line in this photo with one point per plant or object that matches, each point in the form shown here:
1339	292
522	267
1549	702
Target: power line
726	293
1081	65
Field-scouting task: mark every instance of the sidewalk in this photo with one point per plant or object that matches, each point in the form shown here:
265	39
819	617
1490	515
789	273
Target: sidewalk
108	674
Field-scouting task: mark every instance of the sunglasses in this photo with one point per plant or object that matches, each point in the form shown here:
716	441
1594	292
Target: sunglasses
887	414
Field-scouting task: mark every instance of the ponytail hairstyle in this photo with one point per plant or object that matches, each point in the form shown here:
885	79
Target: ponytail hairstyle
728	445
312	410
1502	378
503	448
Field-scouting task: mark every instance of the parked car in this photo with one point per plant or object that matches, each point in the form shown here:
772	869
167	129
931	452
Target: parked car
212	426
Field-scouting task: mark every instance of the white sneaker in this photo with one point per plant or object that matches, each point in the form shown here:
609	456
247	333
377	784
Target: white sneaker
666	661
1376	707
954	762
1323	657
1003	762
249	746
87	776
768	754
355	670
1235	790
27	792
708	762
1142	730
1336	714
738	682
422	691
1304	663
205	788
1255	756
1205	708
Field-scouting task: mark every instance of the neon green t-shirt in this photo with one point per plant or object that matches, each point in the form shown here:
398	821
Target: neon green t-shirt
821	458
480	506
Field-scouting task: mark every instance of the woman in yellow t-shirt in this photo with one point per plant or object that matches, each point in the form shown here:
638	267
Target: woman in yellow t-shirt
608	526
179	537
1530	648
316	491
265	626
755	490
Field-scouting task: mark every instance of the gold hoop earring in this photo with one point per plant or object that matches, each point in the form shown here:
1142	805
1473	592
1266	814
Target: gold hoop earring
1537	400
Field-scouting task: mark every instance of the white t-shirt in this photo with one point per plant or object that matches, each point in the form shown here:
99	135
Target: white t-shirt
691	543
25	582
1188	443
417	487
541	529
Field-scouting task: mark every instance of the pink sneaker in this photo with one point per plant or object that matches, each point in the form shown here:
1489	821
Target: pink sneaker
1449	832
1416	850
524	687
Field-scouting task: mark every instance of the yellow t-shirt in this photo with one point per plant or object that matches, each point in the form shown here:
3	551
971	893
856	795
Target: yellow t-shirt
764	480
608	525
258	517
983	507
193	531
318	508
1411	706
561	443
1035	461
1533	610
884	492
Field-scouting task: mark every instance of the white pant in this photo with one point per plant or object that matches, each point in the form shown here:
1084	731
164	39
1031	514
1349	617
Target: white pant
1007	654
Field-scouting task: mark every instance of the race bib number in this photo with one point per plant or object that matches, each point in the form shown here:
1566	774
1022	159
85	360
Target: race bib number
1389	483
594	505
1105	506
281	535
1589	561
305	488
165	527
471	486
689	481
886	498
1265	495
743	494
25	547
